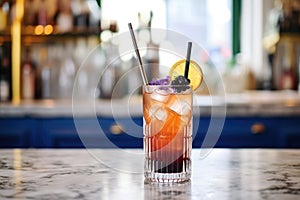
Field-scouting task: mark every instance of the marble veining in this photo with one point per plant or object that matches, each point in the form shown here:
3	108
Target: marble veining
221	174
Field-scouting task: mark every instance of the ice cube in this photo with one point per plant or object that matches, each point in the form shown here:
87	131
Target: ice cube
185	119
158	112
181	107
161	95
155	126
158	117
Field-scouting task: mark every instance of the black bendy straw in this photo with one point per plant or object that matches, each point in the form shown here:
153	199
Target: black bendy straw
187	61
142	69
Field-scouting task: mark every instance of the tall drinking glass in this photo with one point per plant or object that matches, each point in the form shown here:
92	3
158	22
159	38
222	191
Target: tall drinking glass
167	111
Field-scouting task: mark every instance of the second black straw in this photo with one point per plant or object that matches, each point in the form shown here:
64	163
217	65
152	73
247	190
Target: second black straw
187	61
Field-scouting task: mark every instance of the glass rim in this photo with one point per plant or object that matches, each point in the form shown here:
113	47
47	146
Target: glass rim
152	86
173	89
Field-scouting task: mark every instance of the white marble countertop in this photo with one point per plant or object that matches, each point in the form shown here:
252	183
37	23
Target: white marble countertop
251	103
77	174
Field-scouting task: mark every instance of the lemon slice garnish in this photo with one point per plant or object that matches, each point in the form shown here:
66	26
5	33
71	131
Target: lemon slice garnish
195	73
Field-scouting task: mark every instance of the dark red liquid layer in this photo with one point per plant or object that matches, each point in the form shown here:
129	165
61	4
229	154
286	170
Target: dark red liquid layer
175	167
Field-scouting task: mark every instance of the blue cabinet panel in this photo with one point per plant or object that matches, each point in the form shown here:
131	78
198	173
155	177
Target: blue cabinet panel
290	133
123	132
88	132
103	132
54	131
239	132
200	128
249	132
16	132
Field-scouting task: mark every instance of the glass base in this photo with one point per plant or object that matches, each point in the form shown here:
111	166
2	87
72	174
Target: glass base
167	177
176	172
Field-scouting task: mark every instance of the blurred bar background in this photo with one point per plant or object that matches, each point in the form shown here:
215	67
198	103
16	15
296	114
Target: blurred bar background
253	45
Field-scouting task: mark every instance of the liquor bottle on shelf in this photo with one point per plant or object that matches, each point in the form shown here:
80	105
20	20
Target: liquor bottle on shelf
42	14
4	9
50	70
4	75
152	54
29	18
45	75
111	73
95	15
28	77
67	73
55	58
299	74
287	77
81	15
266	82
64	16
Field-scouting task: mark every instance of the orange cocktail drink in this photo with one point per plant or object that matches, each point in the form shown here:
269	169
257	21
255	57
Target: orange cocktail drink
167	116
167	111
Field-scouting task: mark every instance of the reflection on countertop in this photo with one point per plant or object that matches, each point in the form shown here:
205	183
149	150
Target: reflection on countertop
250	103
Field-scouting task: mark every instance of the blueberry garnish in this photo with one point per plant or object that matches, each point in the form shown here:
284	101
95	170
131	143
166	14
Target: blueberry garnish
182	82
